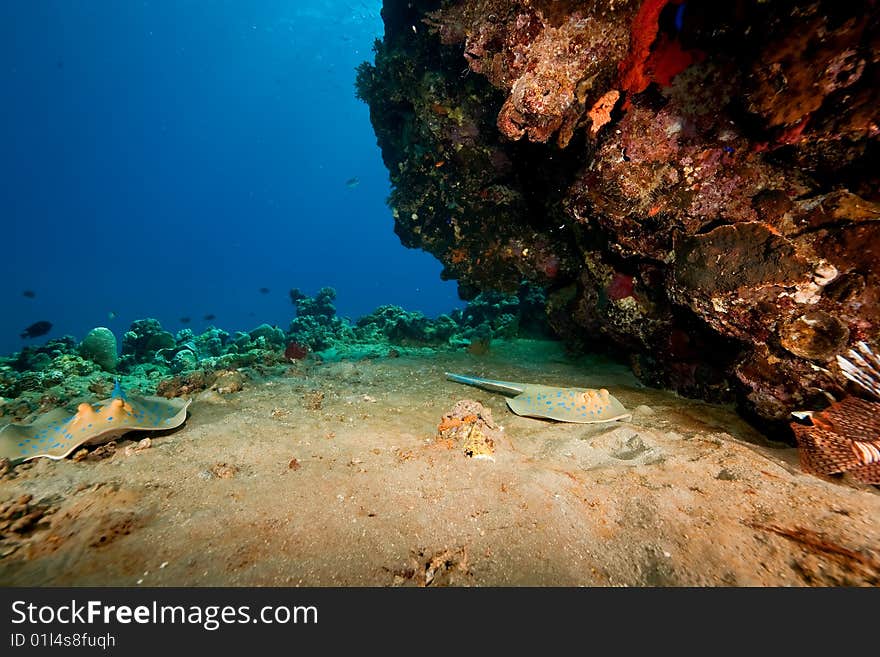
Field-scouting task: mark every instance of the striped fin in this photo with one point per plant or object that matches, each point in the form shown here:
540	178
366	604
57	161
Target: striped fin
845	437
862	368
867	474
504	387
824	452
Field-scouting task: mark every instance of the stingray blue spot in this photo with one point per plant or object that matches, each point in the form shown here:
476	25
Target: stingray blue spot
21	444
56	445
34	447
110	419
559	393
27	440
549	402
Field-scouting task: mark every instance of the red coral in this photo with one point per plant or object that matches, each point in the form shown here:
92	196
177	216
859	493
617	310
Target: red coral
296	351
642	66
668	60
621	287
633	77
549	266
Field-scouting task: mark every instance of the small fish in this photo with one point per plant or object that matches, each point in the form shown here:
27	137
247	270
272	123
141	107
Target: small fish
479	346
208	318
679	17
352	182
112	315
184	320
30	294
264	290
36	329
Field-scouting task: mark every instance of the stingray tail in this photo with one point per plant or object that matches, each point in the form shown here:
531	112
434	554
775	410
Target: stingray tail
504	387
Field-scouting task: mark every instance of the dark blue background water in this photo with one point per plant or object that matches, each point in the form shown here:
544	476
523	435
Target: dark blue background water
169	158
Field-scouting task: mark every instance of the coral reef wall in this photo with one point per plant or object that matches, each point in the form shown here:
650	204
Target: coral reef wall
695	184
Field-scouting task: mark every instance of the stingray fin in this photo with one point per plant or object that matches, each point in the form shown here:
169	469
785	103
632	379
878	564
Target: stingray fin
581	406
56	434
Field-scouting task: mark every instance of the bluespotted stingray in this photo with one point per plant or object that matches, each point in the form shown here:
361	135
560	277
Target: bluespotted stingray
57	433
581	405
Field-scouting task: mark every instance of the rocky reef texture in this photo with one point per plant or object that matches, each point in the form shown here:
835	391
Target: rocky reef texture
694	184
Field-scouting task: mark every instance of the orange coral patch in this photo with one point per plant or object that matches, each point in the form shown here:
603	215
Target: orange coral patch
600	112
448	423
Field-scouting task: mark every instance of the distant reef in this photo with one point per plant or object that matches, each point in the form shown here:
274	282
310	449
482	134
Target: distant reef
694	184
154	360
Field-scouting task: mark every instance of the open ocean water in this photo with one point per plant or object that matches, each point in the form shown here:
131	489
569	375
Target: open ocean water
172	159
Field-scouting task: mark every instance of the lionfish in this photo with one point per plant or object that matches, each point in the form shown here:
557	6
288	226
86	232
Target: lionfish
845	437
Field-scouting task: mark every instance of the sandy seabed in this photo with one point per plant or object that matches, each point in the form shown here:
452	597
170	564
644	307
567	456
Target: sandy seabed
331	474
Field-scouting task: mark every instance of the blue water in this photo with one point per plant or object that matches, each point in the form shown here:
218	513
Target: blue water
170	158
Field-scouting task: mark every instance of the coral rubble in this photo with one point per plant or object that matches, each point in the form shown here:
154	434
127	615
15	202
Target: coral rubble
694	184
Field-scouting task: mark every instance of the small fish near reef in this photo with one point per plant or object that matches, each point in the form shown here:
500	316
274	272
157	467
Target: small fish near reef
36	329
579	405
57	434
209	317
351	183
295	351
264	290
30	294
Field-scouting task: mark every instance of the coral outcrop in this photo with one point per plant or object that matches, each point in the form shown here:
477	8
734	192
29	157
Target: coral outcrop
694	184
41	377
99	346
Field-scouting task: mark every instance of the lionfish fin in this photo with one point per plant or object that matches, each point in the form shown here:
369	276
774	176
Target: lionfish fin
862	368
